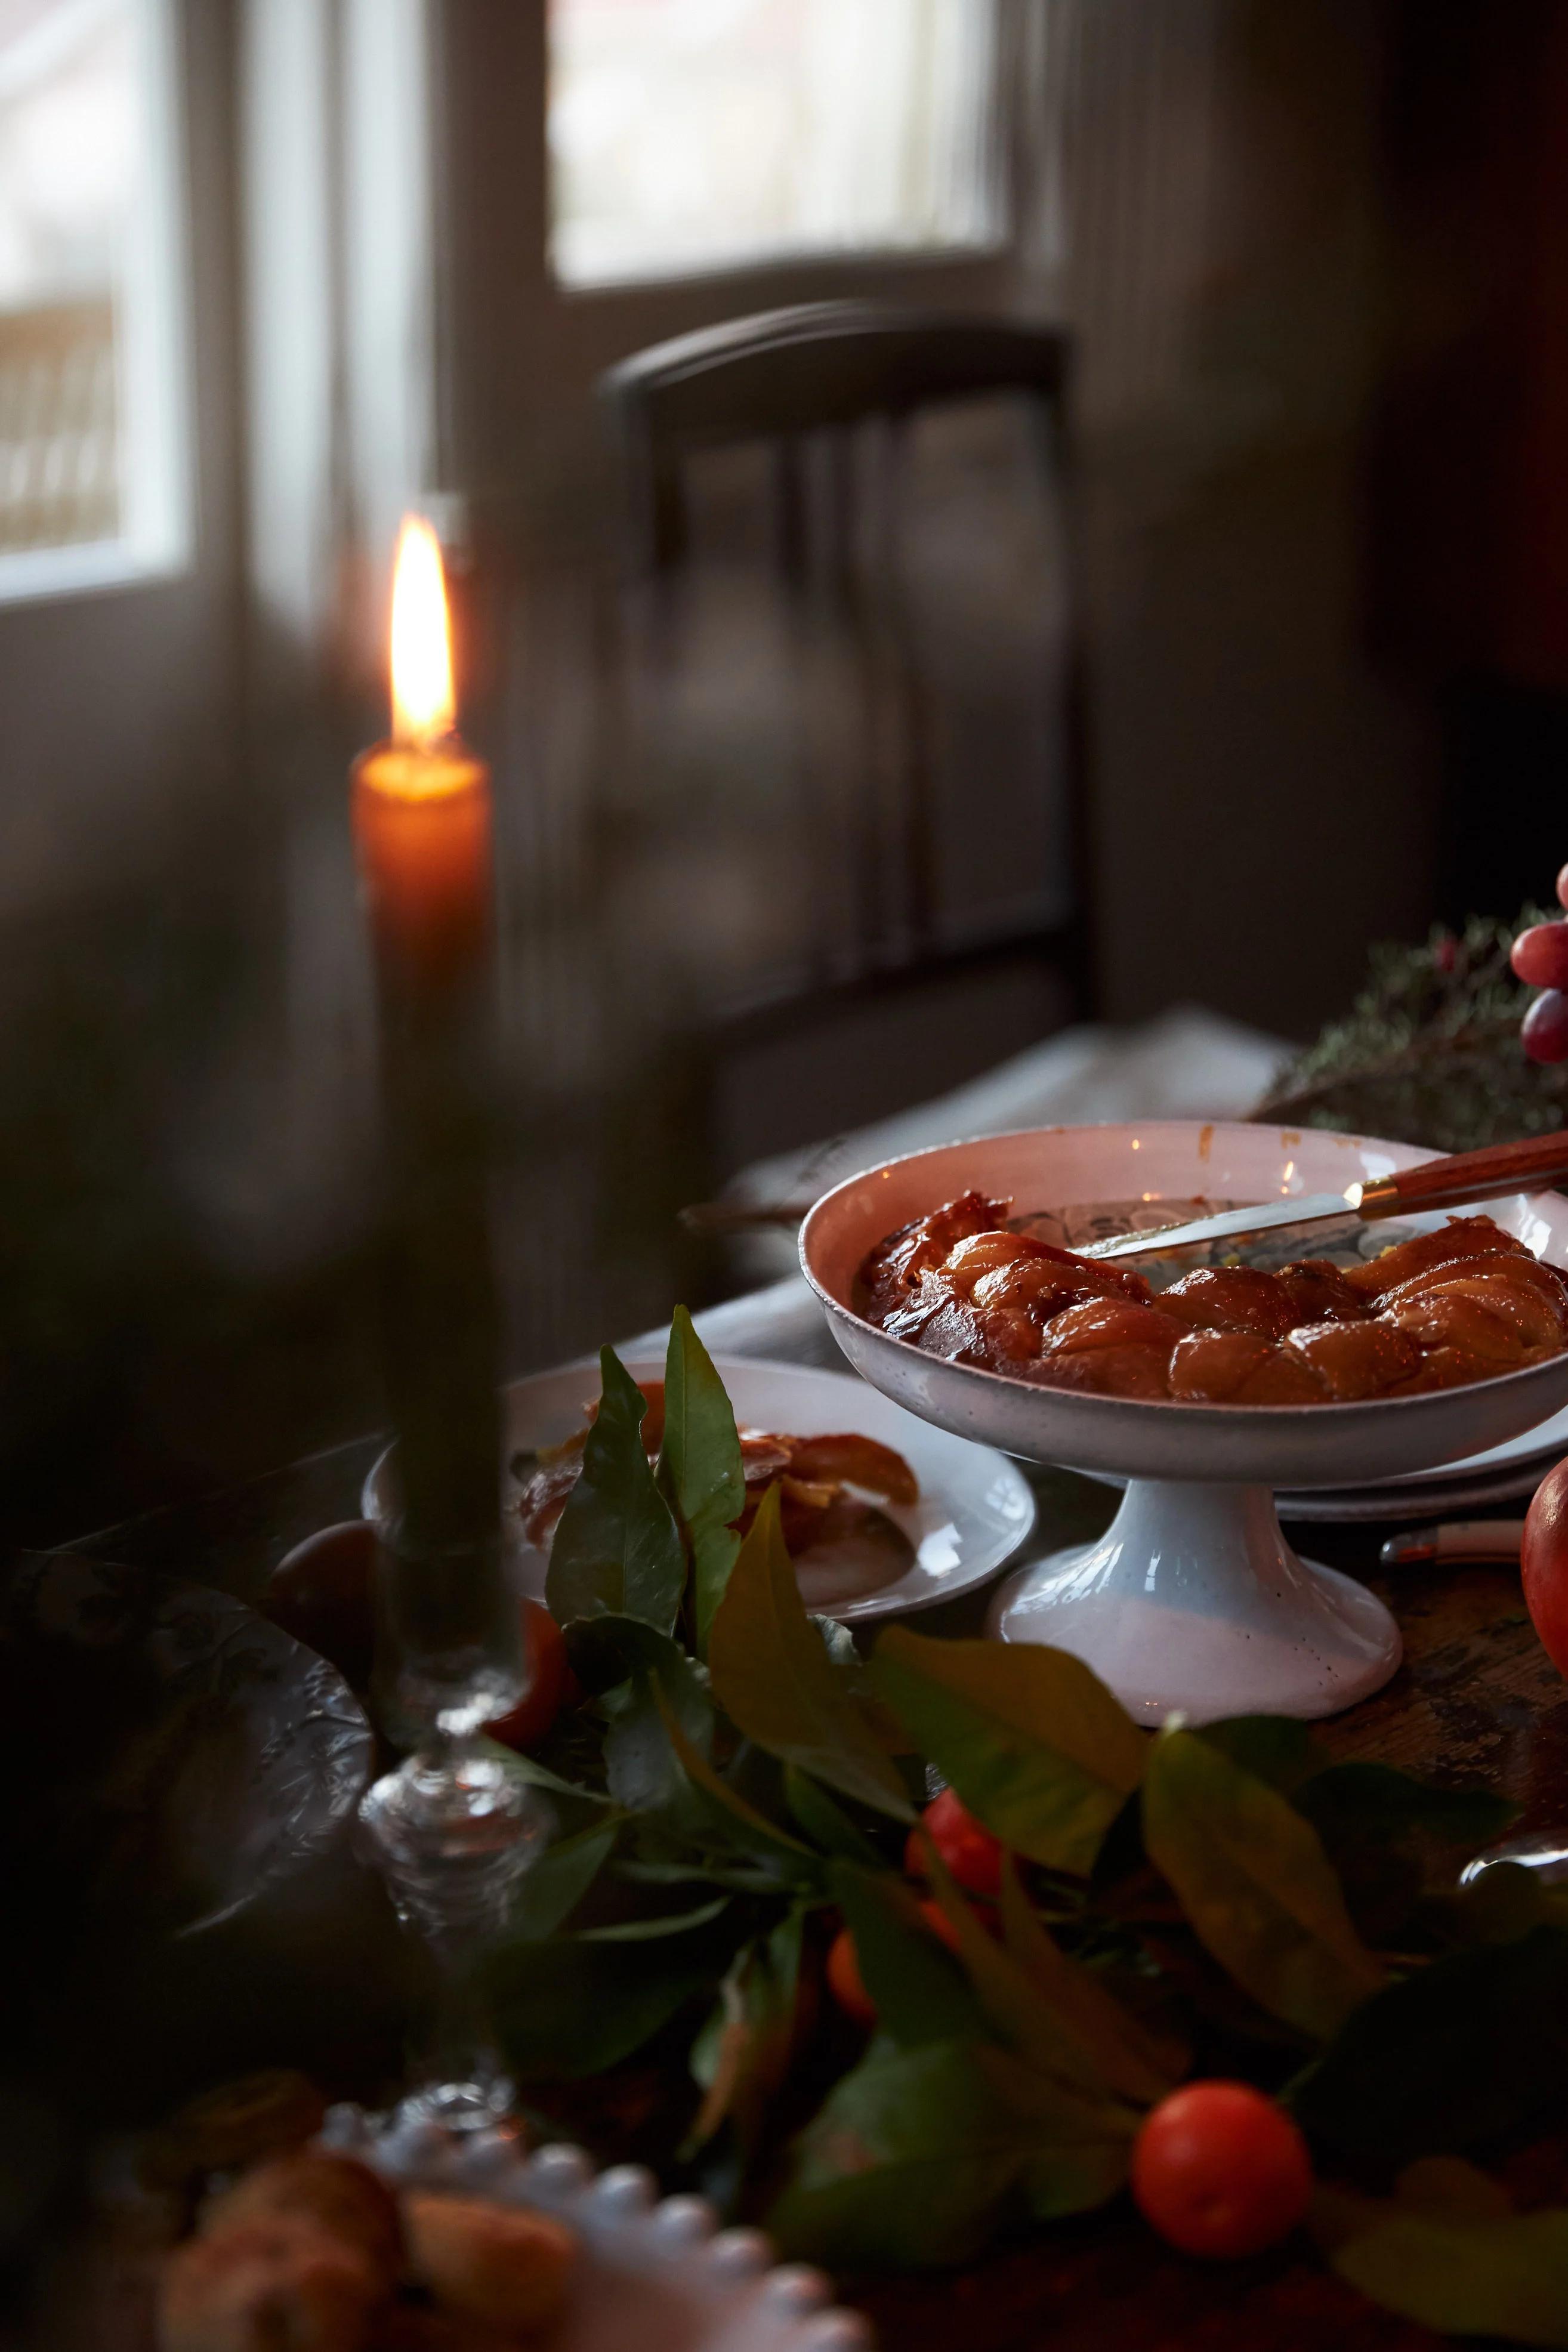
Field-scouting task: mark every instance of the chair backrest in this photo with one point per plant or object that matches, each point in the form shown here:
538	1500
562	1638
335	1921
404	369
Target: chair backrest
785	374
816	374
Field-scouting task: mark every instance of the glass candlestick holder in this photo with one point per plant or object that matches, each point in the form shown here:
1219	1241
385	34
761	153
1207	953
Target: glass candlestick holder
452	1828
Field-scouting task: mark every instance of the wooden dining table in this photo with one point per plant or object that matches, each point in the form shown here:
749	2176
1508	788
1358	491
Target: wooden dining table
1475	1701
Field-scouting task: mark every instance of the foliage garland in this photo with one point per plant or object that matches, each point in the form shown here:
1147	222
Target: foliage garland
1223	1899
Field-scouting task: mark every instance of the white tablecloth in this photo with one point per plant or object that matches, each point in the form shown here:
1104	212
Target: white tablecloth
1187	1064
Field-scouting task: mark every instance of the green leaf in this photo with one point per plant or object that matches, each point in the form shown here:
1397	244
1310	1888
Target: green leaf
1082	2150
1128	2059
1448	2185
741	1877
1273	1747
628	1660
1505	2277
921	1991
539	1776
911	2162
616	1549
566	2007
728	1808
1055	2048
1032	1740
1360	1802
825	1823
645	1931
1255	1883
776	1681
701	1473
1462	2052
742	2055
551	1890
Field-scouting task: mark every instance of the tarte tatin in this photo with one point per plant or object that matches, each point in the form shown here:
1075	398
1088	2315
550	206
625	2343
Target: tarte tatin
1461	1304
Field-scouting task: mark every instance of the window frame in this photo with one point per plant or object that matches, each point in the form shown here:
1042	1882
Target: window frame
516	435
890	253
154	346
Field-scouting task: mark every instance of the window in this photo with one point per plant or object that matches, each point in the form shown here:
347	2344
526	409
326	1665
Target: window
691	135
93	482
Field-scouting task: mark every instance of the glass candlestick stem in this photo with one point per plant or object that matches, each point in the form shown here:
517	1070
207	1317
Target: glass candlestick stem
453	1829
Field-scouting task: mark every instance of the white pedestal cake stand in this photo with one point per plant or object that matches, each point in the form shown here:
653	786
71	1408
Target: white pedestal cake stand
1192	1600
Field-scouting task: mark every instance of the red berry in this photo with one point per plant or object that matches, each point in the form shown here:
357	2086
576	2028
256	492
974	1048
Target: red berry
1563	887
1544	1565
1545	1027
844	1981
544	1663
322	1594
968	1848
1540	956
1220	2170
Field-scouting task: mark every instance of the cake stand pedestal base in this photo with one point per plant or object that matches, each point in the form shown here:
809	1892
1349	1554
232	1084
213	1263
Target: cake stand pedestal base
1193	1600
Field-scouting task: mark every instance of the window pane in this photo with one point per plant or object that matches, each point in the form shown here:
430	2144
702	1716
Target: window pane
90	472
695	134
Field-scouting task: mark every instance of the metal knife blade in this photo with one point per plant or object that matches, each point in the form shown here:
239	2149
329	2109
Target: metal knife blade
1233	1225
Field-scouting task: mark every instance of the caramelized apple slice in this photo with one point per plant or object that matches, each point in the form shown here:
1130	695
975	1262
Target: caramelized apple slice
1208	1367
1319	1292
1355	1360
1241	1368
1109	1347
895	1267
1461	1237
1231	1299
857	1461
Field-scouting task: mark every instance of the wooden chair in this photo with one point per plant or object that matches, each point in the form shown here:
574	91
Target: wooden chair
805	382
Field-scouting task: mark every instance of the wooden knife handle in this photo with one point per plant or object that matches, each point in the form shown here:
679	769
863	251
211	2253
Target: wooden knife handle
1466	1176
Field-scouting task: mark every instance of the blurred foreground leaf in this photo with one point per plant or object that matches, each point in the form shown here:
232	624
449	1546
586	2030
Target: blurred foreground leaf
1460	2052
741	2057
566	2006
1506	2276
1032	1740
1256	1885
1356	1803
918	2155
919	1989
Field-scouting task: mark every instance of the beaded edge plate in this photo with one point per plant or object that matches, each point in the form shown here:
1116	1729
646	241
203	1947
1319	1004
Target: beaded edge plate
656	2272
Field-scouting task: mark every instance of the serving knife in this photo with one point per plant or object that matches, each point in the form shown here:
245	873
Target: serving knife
1456	1181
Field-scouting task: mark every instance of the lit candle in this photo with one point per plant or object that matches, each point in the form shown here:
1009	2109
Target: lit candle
422	805
422	829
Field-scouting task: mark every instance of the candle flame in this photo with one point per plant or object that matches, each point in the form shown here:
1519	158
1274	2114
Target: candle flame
423	709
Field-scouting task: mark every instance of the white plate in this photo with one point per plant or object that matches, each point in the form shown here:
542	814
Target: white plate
1331	1506
659	2275
975	1510
1548	1443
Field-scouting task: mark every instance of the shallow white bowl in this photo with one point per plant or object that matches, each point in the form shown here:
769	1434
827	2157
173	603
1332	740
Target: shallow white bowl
1194	1599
